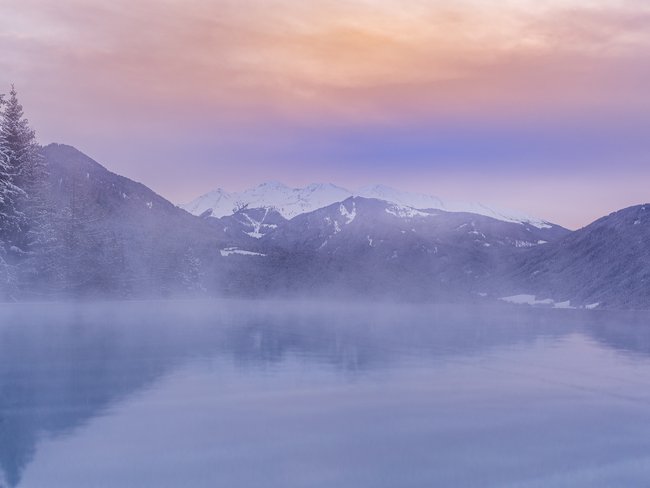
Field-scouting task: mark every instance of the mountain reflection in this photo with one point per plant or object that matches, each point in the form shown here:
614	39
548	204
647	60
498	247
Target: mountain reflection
62	366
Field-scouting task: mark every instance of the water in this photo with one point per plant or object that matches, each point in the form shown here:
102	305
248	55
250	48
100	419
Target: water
260	394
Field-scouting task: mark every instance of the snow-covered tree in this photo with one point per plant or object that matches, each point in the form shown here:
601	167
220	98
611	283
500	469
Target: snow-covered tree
26	218
9	192
9	217
17	141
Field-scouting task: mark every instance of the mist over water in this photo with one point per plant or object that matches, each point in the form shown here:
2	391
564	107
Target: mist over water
295	394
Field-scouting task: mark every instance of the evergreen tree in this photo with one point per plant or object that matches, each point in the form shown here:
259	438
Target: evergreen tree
9	191
9	216
16	141
28	233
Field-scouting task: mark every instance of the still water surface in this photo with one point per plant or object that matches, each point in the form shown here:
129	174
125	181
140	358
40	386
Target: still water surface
260	394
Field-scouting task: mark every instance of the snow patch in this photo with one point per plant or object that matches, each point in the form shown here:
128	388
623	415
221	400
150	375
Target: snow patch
349	216
257	226
233	250
520	244
405	212
526	300
532	300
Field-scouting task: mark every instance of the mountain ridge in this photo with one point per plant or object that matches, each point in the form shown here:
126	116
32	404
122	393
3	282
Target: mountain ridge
116	238
291	202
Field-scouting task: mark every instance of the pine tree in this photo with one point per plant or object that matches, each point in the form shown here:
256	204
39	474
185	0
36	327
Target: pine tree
16	147
9	191
18	140
9	216
28	233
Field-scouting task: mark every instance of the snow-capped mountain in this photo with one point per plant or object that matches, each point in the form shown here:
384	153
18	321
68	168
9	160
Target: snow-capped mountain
378	224
290	202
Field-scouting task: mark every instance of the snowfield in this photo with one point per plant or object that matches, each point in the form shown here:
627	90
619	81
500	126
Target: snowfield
290	202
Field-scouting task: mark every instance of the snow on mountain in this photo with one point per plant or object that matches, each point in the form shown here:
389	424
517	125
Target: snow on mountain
253	222
422	201
290	202
407	199
219	202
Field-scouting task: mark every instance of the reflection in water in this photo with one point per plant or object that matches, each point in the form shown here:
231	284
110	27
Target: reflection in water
62	368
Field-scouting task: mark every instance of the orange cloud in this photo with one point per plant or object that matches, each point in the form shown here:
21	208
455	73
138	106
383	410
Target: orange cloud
356	59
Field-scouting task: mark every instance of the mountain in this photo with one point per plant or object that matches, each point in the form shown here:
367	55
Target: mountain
379	223
116	237
290	202
372	247
110	237
606	264
422	201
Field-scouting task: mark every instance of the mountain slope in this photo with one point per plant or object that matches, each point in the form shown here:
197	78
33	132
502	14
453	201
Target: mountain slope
117	237
605	264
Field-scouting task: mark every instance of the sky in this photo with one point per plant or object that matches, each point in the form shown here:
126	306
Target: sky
536	105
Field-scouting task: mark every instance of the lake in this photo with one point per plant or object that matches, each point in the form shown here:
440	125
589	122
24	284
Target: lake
278	394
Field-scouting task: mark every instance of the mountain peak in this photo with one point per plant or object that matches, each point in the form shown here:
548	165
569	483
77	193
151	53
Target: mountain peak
323	186
375	187
272	184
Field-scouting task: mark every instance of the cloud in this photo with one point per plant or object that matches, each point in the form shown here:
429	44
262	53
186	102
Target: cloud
350	58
